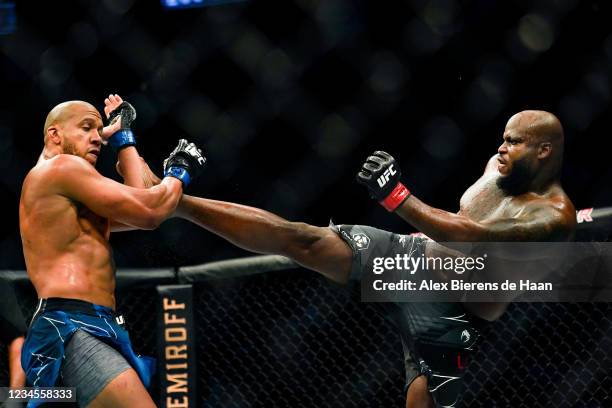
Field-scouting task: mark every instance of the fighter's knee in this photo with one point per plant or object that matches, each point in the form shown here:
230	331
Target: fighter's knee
418	395
16	345
319	249
125	390
301	240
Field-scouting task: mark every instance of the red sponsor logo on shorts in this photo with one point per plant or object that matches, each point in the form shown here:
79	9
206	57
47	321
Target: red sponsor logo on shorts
462	361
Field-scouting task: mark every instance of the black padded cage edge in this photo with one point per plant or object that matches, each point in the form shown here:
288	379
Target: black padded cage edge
288	337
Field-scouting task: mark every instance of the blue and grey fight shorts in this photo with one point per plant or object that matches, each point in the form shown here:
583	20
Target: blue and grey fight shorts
437	338
79	344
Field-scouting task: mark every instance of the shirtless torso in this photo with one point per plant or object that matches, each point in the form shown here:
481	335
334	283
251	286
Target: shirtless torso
66	214
73	259
485	201
518	198
67	209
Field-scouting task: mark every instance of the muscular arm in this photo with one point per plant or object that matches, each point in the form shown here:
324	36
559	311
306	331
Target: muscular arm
131	167
138	175
316	248
129	163
542	222
146	209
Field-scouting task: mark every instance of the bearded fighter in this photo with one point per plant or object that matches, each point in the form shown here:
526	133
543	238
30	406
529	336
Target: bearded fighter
518	198
66	213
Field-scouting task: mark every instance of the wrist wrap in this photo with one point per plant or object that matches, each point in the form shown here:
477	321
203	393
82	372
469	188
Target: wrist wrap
399	194
179	173
121	139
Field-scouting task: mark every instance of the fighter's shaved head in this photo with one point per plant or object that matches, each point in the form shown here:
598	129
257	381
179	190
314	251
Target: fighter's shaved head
64	111
541	130
541	126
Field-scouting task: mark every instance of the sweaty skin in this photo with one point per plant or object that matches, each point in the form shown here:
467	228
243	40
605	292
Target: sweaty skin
66	209
536	209
518	198
532	207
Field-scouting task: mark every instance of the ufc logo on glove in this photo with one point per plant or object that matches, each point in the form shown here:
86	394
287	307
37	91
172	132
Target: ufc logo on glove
384	179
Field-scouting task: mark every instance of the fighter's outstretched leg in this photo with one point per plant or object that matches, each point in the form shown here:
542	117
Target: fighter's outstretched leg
318	248
321	249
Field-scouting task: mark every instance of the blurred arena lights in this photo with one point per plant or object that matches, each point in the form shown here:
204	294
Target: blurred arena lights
433	80
8	18
177	4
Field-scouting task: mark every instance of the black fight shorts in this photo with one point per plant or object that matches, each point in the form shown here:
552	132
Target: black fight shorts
437	338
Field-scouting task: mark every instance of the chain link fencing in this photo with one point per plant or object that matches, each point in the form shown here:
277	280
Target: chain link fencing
291	338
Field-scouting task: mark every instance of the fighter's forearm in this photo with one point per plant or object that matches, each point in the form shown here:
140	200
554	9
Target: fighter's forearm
246	227
136	173
538	224
146	209
118	134
131	167
440	225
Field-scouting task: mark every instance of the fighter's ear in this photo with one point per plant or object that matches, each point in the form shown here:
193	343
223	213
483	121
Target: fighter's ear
544	150
53	134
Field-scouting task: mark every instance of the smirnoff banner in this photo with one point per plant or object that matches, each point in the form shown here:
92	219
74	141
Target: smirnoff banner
175	342
488	272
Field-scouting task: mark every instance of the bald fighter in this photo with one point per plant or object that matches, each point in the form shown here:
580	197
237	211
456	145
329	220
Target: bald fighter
518	198
66	213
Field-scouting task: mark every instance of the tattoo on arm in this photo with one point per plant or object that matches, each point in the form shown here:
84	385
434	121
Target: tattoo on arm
539	224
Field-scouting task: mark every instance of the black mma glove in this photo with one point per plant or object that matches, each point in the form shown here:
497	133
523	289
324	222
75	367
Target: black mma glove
124	136
185	163
381	175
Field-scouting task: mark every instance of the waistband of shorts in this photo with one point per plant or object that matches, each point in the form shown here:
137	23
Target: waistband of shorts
71	305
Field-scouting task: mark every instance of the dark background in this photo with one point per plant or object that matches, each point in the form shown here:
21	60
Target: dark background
288	97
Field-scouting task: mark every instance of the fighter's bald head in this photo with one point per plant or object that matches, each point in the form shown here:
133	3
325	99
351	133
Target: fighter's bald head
542	130
540	126
64	111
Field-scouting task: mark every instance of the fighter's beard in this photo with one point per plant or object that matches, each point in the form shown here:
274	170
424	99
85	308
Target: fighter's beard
70	148
517	181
